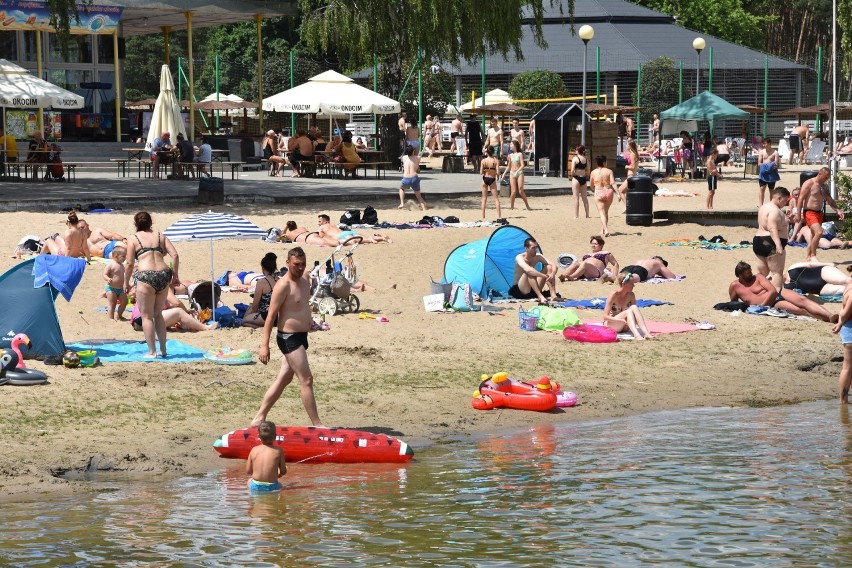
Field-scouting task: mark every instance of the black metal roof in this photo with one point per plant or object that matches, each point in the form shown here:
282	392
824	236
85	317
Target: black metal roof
628	35
555	111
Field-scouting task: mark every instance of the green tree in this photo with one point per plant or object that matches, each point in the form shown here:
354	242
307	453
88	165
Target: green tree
442	31
659	85
62	13
537	84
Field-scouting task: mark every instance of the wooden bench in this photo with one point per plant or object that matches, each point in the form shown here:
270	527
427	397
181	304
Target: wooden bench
335	170
31	170
121	166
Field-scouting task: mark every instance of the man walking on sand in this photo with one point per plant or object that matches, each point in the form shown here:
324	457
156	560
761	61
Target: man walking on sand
769	241
290	304
811	207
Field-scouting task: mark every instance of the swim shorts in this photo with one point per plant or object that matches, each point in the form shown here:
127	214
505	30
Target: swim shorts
289	342
346	235
813	217
255	485
116	291
846	333
109	247
637	270
763	246
795	143
712	183
412	183
515	292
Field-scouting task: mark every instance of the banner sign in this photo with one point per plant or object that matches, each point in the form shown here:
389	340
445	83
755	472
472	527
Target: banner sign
28	15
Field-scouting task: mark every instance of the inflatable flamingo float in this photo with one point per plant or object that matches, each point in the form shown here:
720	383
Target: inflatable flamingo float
16	347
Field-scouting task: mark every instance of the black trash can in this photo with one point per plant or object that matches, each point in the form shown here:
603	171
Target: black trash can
806	175
211	191
640	201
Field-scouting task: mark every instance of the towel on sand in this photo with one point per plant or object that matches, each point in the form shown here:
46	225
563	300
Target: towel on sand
132	351
599	303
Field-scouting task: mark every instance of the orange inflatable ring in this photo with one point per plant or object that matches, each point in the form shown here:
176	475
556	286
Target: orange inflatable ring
500	391
588	333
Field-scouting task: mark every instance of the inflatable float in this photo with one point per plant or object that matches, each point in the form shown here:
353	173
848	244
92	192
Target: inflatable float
228	356
319	445
502	391
588	333
12	374
565	399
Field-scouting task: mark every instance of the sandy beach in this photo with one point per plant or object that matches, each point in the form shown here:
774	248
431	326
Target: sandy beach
412	376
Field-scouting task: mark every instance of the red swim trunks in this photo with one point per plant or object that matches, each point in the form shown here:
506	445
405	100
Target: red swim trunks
813	217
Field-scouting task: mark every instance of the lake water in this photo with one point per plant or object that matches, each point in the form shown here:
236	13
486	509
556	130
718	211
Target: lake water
710	487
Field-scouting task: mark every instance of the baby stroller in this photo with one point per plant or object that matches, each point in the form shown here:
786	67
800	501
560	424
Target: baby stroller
54	170
331	284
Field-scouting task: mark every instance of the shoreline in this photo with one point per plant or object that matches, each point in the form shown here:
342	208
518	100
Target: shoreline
413	376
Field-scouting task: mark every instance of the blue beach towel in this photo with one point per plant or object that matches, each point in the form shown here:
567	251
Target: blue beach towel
132	351
599	303
62	272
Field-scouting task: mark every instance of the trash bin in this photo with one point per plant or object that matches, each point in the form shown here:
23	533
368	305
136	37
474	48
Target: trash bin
211	191
751	166
640	201
806	175
453	164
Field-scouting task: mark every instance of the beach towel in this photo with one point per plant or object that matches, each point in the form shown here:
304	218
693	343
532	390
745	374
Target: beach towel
599	303
832	299
132	351
655	327
693	243
660	279
62	272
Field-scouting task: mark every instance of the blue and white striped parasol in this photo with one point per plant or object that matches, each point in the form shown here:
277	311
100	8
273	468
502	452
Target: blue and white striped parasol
212	226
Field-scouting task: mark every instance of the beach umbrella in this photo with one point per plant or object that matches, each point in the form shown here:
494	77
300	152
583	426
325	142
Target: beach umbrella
211	227
166	116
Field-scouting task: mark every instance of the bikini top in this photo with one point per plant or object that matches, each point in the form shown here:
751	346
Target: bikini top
516	158
580	165
616	309
265	298
601	256
142	249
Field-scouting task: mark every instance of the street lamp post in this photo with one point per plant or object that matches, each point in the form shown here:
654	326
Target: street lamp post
698	44
586	33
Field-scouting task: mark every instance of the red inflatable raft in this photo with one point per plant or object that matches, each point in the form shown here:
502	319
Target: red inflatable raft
503	391
319	445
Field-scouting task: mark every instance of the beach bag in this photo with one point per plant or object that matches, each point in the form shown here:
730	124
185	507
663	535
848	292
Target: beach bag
556	319
451	219
351	217
340	286
461	298
225	316
445	288
829	228
370	216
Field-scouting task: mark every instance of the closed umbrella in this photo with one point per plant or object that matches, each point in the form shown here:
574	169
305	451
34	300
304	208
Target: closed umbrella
212	226
166	116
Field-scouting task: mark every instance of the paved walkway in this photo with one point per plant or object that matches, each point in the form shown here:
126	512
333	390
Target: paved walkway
251	187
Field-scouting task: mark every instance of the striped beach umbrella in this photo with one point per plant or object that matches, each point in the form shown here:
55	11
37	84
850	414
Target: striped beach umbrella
213	226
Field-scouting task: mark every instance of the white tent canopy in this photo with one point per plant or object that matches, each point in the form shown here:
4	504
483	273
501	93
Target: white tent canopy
491	97
232	98
332	94
166	116
20	89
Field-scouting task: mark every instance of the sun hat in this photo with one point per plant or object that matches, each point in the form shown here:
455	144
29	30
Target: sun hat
268	132
565	260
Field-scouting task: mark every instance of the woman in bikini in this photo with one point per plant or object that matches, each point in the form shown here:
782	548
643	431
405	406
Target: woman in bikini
598	265
256	314
148	248
632	168
515	169
621	313
603	184
296	234
73	243
578	182
488	168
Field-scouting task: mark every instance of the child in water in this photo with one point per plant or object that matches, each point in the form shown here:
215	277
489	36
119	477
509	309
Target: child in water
265	463
114	277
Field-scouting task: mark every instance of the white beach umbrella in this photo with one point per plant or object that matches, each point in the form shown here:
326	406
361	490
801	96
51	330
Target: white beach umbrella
21	89
166	116
333	94
491	97
212	226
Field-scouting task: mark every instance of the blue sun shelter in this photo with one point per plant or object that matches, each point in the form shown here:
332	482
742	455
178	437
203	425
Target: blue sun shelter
27	301
488	263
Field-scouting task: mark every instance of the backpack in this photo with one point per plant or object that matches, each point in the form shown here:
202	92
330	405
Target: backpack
451	219
461	298
351	217
370	216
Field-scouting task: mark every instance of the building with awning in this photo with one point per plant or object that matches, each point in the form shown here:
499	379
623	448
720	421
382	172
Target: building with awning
96	52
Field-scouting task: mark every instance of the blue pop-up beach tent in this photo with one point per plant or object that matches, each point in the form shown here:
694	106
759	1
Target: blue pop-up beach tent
488	263
25	308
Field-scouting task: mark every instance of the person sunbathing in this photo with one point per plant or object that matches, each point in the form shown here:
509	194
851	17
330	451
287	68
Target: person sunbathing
599	264
828	239
101	241
823	278
73	243
295	234
333	236
642	270
175	314
757	290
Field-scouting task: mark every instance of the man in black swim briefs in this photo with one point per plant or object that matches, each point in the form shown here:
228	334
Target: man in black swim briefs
641	270
290	303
